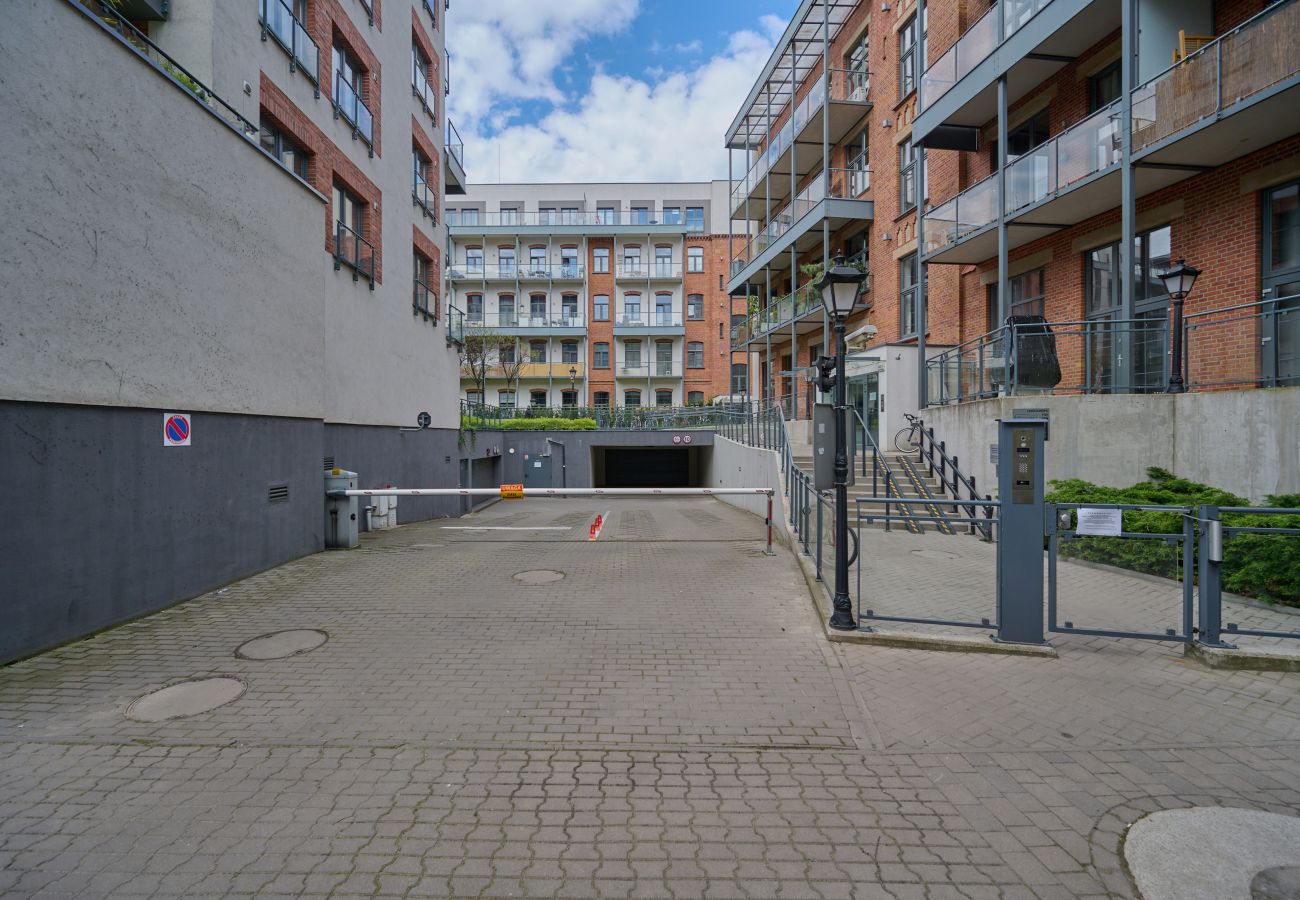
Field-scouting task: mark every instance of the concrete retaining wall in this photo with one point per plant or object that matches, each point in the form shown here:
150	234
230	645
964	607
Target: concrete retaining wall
737	465
1242	441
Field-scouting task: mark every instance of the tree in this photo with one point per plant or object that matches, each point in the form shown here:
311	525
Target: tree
510	361
478	351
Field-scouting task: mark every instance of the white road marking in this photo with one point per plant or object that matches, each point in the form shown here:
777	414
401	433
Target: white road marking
507	527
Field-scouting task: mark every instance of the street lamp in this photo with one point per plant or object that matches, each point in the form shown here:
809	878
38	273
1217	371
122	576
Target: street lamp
1178	283
573	377
840	287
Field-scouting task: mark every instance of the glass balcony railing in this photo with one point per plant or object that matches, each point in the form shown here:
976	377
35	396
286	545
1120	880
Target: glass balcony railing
969	211
782	311
353	109
420	86
652	319
454	145
425	197
424	298
975	46
1078	152
279	22
508	318
846	86
483	271
455	325
531	218
355	252
838	184
658	369
1252	57
533	271
653	269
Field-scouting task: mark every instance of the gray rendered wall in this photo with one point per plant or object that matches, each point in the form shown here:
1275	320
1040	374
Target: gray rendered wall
577	449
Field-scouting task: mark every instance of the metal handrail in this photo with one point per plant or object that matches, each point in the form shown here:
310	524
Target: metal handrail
949	463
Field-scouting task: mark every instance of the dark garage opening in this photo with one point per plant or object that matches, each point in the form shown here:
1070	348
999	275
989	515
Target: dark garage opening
646	466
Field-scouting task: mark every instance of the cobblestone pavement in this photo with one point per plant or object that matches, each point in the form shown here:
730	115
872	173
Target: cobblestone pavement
666	720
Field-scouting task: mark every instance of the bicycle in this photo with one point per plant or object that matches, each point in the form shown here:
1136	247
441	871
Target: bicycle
908	439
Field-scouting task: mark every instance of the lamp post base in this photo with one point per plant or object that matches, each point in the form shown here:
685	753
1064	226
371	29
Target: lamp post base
842	617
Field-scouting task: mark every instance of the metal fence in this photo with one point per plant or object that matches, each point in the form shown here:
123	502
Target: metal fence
731	417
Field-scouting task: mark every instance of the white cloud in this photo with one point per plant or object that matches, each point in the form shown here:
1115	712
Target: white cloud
667	125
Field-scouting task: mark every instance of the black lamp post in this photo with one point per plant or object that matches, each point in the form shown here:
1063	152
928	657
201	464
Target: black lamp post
840	287
1178	283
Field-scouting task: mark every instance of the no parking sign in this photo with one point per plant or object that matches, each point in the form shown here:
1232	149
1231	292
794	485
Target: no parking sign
176	429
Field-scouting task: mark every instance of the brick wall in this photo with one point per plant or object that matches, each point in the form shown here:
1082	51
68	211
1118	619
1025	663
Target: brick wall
329	23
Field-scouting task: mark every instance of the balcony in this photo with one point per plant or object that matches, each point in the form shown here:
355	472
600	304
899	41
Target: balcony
649	271
484	272
355	252
846	101
424	299
455	326
803	307
1041	36
545	271
425	197
838	195
643	370
532	370
349	105
278	21
656	322
455	162
562	322
1232	97
421	88
572	222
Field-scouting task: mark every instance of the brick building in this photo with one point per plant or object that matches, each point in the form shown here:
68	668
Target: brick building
1109	162
602	294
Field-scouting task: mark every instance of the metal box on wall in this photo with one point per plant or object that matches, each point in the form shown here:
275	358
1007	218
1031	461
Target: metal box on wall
823	428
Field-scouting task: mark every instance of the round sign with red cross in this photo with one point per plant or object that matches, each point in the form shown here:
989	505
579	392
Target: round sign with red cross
176	430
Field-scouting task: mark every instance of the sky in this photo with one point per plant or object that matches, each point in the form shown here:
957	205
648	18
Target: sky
603	90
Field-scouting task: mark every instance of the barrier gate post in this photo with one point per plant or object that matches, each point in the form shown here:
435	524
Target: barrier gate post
1020	531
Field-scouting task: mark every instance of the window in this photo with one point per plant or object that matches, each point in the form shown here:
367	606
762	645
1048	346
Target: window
350	245
569	398
537	261
474	398
857	156
640	215
695	355
695	398
695	219
1104	87
631	398
907	58
420	66
506	399
663	357
474	308
632	309
506	310
453	216
509	215
537	351
907	154
283	148
546	215
739	378
423	297
474	260
695	306
537	309
601	399
569	215
632	355
600	259
664	397
1024	297
349	92
857	59
604	215
672	215
469	217
569	309
569	352
632	261
537	398
568	262
694	259
506	260
664	261
600	355
664	309
506	353
600	307
719	331
908	295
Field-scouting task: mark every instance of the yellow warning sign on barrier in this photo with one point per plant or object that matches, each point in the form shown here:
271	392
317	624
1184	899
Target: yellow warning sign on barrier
512	492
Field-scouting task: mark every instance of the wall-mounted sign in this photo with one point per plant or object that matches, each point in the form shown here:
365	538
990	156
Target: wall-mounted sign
176	429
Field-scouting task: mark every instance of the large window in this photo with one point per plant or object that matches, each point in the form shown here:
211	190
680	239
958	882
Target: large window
664	397
509	215
283	148
474	260
695	355
600	308
908	60
640	215
604	215
506	260
350	245
506	353
664	262
632	398
600	260
569	352
424	296
907	156
600	399
632	355
694	259
672	215
1025	297
695	398
537	351
537	397
425	195
632	309
546	215
664	309
1104	88
632	261
537	261
420	79
857	155
568	398
469	216
695	306
1148	333
350	92
856	60
909	295
600	355
474	308
506	310
506	399
695	219
739	378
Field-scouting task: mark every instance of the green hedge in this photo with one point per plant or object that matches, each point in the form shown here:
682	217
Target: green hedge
538	424
1265	566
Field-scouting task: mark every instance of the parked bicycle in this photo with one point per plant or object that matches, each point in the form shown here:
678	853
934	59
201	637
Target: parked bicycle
908	440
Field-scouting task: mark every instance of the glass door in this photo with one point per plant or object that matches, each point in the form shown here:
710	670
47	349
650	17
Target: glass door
1280	325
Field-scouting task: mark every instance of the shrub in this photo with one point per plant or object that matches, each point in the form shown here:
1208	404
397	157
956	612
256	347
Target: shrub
1266	566
472	423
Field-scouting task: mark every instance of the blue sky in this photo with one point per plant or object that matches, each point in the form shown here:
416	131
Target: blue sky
603	90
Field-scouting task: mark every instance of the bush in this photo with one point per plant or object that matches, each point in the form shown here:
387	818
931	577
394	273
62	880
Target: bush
472	423
1266	566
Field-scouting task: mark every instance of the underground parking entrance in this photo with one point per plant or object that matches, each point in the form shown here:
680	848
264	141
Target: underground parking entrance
649	466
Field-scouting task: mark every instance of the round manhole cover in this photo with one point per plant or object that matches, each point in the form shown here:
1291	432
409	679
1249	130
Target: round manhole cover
189	698
280	644
538	576
934	554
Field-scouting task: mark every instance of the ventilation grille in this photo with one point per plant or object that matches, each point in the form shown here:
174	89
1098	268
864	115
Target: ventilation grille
329	463
278	492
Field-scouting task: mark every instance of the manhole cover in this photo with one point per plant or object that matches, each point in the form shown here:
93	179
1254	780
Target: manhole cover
189	698
280	644
934	554
538	576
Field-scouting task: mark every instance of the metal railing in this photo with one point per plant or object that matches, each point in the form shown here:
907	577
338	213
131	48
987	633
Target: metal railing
454	144
1250	344
520	218
1082	150
1053	358
548	271
425	197
945	469
280	23
455	325
975	45
505	319
846	86
424	298
655	319
106	14
355	252
1219	561
834	184
420	85
783	311
1250	58
656	369
649	270
635	418
348	104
